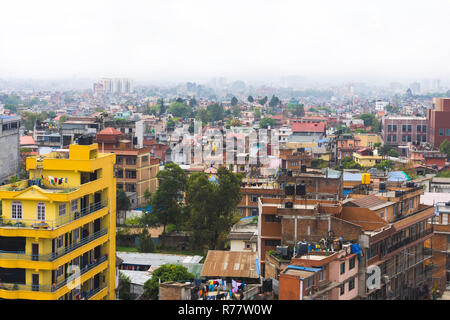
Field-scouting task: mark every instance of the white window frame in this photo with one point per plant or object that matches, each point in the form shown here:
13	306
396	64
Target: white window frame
444	218
16	210
63	211
40	211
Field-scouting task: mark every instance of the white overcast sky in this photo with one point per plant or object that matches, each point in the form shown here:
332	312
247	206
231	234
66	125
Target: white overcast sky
193	39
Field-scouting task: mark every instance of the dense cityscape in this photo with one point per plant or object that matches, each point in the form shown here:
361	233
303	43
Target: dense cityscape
291	187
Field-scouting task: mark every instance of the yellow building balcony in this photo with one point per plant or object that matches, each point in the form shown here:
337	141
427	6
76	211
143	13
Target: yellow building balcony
48	292
52	260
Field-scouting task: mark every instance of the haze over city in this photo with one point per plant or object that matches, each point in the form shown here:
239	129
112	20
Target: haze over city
160	41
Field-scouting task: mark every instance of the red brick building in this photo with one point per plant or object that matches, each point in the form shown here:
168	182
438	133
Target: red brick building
439	121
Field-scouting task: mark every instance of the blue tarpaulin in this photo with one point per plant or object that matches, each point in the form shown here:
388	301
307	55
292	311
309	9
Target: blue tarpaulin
398	176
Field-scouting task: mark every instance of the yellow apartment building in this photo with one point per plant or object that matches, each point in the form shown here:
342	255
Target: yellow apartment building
368	140
58	227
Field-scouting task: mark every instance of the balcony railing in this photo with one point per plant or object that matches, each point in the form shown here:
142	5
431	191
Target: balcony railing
57	286
52	224
410	239
20	255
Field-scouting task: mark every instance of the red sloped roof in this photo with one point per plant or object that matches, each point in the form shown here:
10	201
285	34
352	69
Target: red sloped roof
26	140
110	131
308	127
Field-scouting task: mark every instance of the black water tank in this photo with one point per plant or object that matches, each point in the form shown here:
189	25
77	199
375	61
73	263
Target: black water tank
288	205
382	186
300	189
301	248
289	190
85	140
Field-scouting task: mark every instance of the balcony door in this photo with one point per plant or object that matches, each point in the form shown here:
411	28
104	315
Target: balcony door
35	282
35	251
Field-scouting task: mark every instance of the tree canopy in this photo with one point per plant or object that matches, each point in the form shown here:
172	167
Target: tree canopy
167	199
179	109
165	273
445	147
266	122
212	206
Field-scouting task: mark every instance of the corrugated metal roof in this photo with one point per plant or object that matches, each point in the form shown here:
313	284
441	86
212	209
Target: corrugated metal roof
233	264
370	201
156	259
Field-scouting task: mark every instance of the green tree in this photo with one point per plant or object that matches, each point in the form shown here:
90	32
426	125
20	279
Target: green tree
215	111
257	114
385	164
145	242
236	111
274	101
179	109
263	101
349	163
62	119
124	287
444	147
167	199
266	122
192	102
370	121
212	207
385	149
250	99
165	273
296	109
122	201
171	123
234	101
162	107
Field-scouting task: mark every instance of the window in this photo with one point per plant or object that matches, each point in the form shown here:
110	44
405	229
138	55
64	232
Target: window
59	242
404	128
373	251
62	209
120	186
409	128
271	218
447	132
352	263
342	289
254	212
394	138
60	271
131	161
424	128
409	138
444	218
404	138
76	234
254	198
119	173
74	205
16	210
130	174
441	132
40	211
424	138
119	160
144	159
351	284
272	243
130	187
389	138
419	127
394	127
321	275
342	267
309	282
389	127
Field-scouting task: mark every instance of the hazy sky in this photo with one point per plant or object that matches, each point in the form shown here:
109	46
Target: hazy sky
196	39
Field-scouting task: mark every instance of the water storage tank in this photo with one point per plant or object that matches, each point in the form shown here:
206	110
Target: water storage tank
301	248
365	179
288	205
300	189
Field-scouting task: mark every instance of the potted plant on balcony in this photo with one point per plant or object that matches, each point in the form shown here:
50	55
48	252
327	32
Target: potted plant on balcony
15	286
